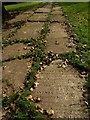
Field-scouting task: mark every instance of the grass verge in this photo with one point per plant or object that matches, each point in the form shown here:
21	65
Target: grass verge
22	6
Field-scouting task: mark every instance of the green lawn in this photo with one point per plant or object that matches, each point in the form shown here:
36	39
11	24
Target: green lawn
22	6
77	14
78	17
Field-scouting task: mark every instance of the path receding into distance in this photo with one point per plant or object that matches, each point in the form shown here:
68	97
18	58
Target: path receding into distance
60	85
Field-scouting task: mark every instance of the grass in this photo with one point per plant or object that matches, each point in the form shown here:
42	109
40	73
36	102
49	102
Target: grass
78	17
21	6
77	14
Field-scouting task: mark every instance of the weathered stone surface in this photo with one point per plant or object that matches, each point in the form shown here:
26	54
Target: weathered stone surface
57	35
60	89
57	18
5	33
22	16
14	73
43	10
29	30
14	50
38	17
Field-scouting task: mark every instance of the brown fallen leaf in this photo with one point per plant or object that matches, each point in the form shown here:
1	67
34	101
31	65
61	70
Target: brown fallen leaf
37	76
25	48
56	42
45	41
59	66
35	84
82	76
86	103
44	66
13	106
38	107
63	66
50	112
31	89
37	99
32	48
29	66
40	110
41	63
24	32
4	95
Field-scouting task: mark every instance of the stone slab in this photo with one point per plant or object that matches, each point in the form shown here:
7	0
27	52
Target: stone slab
58	35
38	17
43	10
60	89
29	30
14	73
14	50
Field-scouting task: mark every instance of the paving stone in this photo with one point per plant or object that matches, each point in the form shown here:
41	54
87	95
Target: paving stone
63	95
56	8
6	32
29	30
38	17
57	18
22	16
43	10
55	12
57	34
14	50
14	73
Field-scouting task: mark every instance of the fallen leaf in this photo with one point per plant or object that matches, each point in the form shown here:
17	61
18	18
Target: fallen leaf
31	89
38	106
63	66
29	97
25	48
37	99
37	76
